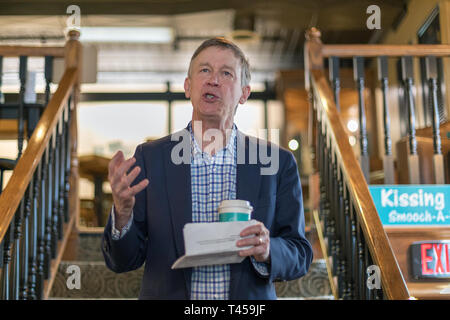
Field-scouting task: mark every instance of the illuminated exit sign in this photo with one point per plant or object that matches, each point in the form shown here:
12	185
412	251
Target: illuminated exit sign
430	259
412	205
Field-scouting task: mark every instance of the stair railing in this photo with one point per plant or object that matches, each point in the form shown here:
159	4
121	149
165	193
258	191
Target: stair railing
361	260
39	204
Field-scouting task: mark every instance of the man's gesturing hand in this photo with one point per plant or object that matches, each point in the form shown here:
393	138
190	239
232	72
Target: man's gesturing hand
124	195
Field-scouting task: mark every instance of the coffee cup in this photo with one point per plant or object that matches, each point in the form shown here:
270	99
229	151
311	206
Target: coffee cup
234	210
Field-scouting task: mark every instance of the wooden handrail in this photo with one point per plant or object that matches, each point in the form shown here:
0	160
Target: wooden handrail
376	50
393	282
32	51
25	167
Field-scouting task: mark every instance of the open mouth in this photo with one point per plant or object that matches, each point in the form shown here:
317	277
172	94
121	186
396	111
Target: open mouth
210	97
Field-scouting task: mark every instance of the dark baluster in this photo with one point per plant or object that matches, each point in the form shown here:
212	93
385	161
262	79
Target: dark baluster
388	160
67	161
329	206
338	225
321	165
6	280
321	155
42	214
49	208
32	271
48	77
348	294
329	226
331	201
21	121
358	74
333	66
15	276
376	293
55	192
2	97
438	159
24	243
361	280
413	158
343	235
343	231
61	169
354	252
368	262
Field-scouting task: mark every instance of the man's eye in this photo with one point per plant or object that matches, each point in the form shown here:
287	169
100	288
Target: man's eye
204	70
228	74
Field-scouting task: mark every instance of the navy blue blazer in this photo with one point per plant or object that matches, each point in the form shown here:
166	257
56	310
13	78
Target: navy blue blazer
165	206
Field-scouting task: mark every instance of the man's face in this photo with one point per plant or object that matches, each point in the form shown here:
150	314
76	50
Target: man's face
214	85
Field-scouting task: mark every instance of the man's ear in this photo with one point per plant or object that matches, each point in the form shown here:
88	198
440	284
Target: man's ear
187	87
245	94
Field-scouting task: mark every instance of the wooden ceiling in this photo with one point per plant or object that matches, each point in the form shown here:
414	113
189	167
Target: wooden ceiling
341	21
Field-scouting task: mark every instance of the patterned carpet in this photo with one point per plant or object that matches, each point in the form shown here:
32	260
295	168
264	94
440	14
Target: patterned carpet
98	282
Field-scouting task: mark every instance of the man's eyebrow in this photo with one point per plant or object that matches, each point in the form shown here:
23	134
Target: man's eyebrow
228	67
206	64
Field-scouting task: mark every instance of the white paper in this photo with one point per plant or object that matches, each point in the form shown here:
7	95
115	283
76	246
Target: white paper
212	243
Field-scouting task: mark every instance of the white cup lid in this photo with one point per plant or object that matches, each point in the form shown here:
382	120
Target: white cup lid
235	203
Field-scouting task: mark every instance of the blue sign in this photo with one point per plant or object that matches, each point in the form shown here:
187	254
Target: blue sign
412	205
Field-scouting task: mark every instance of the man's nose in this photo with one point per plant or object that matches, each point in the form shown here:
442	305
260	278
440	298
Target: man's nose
213	79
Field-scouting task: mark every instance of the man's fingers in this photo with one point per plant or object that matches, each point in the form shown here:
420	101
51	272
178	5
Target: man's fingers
132	175
139	187
125	182
121	170
254	251
125	166
116	160
255	229
253	241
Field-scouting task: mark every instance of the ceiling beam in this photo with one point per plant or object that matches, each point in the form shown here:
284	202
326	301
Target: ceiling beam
168	7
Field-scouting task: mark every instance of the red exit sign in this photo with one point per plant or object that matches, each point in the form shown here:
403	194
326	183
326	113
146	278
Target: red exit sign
430	259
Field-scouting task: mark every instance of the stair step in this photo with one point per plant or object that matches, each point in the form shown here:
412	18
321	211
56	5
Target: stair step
89	248
98	282
314	284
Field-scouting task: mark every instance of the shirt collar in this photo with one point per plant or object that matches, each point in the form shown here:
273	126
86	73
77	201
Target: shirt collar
229	148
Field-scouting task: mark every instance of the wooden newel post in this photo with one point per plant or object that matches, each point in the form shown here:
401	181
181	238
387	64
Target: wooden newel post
73	59
313	50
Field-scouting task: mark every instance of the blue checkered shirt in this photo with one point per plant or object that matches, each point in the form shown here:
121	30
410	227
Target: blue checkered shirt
213	179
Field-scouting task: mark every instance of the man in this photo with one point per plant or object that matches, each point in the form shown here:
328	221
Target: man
154	200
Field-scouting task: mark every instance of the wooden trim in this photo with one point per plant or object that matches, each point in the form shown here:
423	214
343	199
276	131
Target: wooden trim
23	172
376	50
31	51
394	284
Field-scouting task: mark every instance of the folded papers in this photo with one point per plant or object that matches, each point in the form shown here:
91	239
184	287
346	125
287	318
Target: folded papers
212	243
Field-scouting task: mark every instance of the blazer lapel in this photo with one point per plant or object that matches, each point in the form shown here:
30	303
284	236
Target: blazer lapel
247	188
178	178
